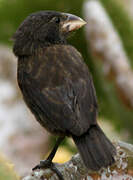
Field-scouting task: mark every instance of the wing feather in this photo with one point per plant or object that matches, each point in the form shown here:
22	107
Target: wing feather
68	103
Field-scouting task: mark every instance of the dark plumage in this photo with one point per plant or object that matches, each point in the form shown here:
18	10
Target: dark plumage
57	86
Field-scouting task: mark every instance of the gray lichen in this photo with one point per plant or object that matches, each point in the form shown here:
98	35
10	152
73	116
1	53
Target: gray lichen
75	169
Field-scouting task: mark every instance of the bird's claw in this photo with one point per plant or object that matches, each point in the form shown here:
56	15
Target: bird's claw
44	164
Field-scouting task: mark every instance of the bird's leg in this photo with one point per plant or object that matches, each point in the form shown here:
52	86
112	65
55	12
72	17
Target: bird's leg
48	162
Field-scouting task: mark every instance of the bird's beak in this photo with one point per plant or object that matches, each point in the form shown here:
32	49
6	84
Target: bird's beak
72	22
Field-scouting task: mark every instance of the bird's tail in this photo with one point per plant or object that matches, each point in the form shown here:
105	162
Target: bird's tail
95	148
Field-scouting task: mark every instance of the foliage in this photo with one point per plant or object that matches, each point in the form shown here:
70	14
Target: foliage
122	22
6	170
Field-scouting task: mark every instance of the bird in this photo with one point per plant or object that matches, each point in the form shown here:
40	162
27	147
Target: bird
58	88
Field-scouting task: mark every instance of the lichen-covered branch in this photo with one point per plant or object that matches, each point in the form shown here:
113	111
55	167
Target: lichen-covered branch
107	46
75	169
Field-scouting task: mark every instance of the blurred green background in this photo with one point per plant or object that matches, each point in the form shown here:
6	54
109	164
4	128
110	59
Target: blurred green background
111	108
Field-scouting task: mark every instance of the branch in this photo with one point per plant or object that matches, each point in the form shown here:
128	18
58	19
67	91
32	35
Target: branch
107	46
75	169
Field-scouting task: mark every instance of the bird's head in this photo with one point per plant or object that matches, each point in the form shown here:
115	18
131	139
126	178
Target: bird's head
44	28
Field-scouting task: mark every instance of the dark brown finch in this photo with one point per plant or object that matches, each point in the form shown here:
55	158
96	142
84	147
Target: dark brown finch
58	88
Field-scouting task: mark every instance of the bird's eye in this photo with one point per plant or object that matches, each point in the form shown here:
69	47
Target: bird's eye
57	20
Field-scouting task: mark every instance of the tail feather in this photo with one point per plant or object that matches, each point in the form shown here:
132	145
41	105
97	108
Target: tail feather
95	148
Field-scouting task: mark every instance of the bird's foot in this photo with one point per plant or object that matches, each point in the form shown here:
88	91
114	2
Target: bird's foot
45	164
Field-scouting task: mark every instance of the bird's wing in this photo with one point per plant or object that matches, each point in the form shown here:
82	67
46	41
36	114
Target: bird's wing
69	102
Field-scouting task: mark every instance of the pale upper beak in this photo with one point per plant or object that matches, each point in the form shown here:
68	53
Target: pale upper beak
72	22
